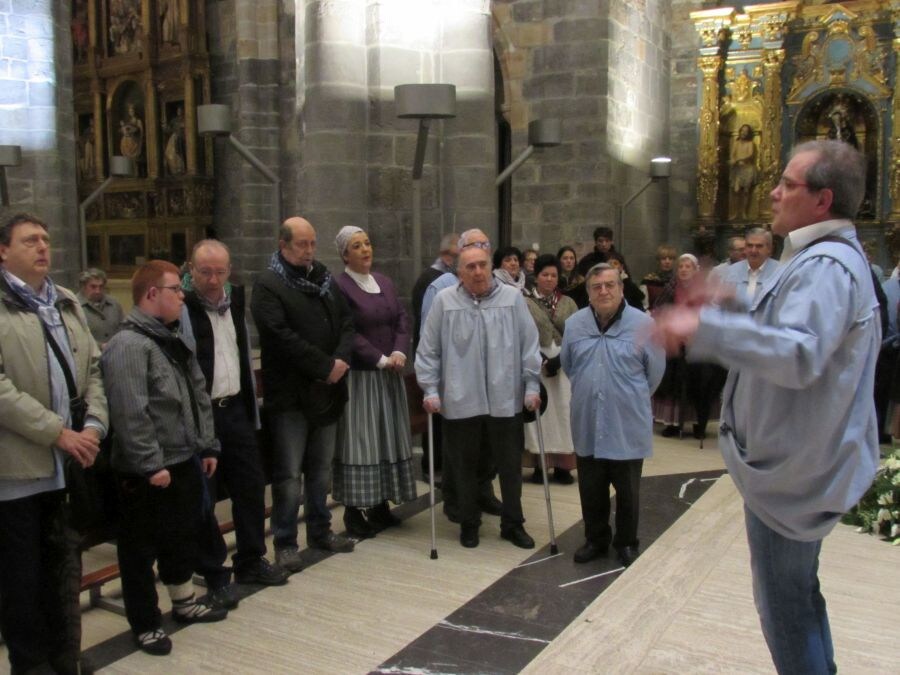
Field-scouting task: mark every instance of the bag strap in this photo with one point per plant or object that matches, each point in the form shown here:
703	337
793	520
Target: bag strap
63	362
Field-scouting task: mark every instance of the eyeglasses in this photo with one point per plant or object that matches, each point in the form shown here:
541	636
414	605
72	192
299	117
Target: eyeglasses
789	184
175	288
207	273
483	245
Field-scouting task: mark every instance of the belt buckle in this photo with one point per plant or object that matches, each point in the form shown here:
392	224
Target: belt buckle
223	402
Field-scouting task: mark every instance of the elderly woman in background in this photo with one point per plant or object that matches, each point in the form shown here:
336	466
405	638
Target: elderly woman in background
571	283
508	267
550	309
373	461
682	396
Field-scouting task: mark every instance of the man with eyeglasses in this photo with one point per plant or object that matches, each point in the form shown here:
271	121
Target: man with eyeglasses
478	363
213	321
46	351
799	433
487	500
164	441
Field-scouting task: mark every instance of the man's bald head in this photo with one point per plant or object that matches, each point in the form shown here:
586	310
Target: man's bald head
297	241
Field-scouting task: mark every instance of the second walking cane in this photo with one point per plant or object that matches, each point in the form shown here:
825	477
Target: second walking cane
434	554
540	434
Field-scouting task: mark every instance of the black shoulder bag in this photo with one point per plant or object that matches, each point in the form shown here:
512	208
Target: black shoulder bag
88	490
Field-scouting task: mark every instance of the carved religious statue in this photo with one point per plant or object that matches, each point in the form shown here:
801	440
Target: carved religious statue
168	18
174	151
132	130
743	171
86	152
842	124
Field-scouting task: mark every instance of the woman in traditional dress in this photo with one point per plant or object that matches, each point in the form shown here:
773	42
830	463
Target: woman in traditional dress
373	461
550	309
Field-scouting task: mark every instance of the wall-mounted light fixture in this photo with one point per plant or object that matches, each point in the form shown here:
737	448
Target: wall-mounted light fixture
424	102
660	169
214	119
119	167
541	134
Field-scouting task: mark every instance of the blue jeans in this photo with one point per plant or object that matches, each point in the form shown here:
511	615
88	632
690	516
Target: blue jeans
300	447
790	605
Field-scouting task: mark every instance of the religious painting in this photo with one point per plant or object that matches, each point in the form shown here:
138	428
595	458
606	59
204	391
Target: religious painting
80	31
127	250
125	30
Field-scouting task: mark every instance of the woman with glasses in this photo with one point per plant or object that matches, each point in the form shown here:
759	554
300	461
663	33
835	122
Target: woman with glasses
373	462
550	308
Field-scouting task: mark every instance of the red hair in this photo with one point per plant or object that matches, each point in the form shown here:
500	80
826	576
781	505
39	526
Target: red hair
148	275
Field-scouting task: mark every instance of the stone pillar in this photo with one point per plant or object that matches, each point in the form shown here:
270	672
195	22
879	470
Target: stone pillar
37	113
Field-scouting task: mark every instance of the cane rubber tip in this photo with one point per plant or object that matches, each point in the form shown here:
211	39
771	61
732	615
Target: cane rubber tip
554	549
433	554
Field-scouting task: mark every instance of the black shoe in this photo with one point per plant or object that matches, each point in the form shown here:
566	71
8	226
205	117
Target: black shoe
490	505
262	572
381	518
289	559
197	611
563	476
468	536
670	430
452	513
154	642
356	523
223	597
518	536
628	554
538	476
336	543
590	551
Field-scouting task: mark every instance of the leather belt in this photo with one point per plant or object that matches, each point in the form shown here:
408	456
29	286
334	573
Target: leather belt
224	402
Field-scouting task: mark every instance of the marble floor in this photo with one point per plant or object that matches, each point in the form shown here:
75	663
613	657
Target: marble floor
684	606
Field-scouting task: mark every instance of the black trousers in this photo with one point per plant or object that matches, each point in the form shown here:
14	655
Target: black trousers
486	472
240	470
40	578
470	444
594	478
158	524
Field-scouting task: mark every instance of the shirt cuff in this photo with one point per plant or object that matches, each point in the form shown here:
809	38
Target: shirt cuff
382	362
94	423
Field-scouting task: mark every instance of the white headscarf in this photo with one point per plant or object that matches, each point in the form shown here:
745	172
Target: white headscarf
342	240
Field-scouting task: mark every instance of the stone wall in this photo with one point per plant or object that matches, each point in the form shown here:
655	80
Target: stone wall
603	69
36	112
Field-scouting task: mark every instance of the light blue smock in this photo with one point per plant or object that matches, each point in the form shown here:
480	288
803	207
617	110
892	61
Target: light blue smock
613	375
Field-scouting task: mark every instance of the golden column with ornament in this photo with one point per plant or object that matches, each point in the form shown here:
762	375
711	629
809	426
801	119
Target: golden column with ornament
708	151
770	134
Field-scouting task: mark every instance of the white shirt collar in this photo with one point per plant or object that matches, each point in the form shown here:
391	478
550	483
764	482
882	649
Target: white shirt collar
365	281
802	237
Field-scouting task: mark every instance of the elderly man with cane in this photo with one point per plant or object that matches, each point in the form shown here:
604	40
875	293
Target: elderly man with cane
477	361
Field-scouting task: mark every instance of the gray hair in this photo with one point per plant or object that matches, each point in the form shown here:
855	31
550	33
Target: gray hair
599	269
465	236
215	243
734	240
448	241
91	273
840	168
342	240
760	232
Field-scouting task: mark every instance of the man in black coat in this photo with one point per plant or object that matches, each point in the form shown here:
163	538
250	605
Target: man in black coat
213	319
305	333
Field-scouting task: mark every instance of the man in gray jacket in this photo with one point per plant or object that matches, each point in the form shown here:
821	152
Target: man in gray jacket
164	436
477	363
40	571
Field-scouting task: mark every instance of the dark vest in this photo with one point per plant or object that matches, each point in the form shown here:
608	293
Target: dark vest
203	334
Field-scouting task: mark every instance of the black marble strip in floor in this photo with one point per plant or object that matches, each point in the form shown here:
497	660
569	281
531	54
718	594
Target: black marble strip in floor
505	626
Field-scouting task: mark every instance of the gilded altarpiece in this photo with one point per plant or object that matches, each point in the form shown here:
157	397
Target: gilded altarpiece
141	69
791	72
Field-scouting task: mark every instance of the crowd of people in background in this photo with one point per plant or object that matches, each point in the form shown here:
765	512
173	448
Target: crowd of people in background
499	337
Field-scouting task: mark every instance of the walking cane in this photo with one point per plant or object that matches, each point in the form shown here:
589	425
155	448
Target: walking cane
540	434
434	554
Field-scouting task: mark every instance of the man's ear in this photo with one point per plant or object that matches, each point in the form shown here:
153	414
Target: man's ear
825	200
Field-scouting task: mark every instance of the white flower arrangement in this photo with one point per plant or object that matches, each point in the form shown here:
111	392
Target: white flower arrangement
878	512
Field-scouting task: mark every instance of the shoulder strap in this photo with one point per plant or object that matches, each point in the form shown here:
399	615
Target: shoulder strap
63	362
